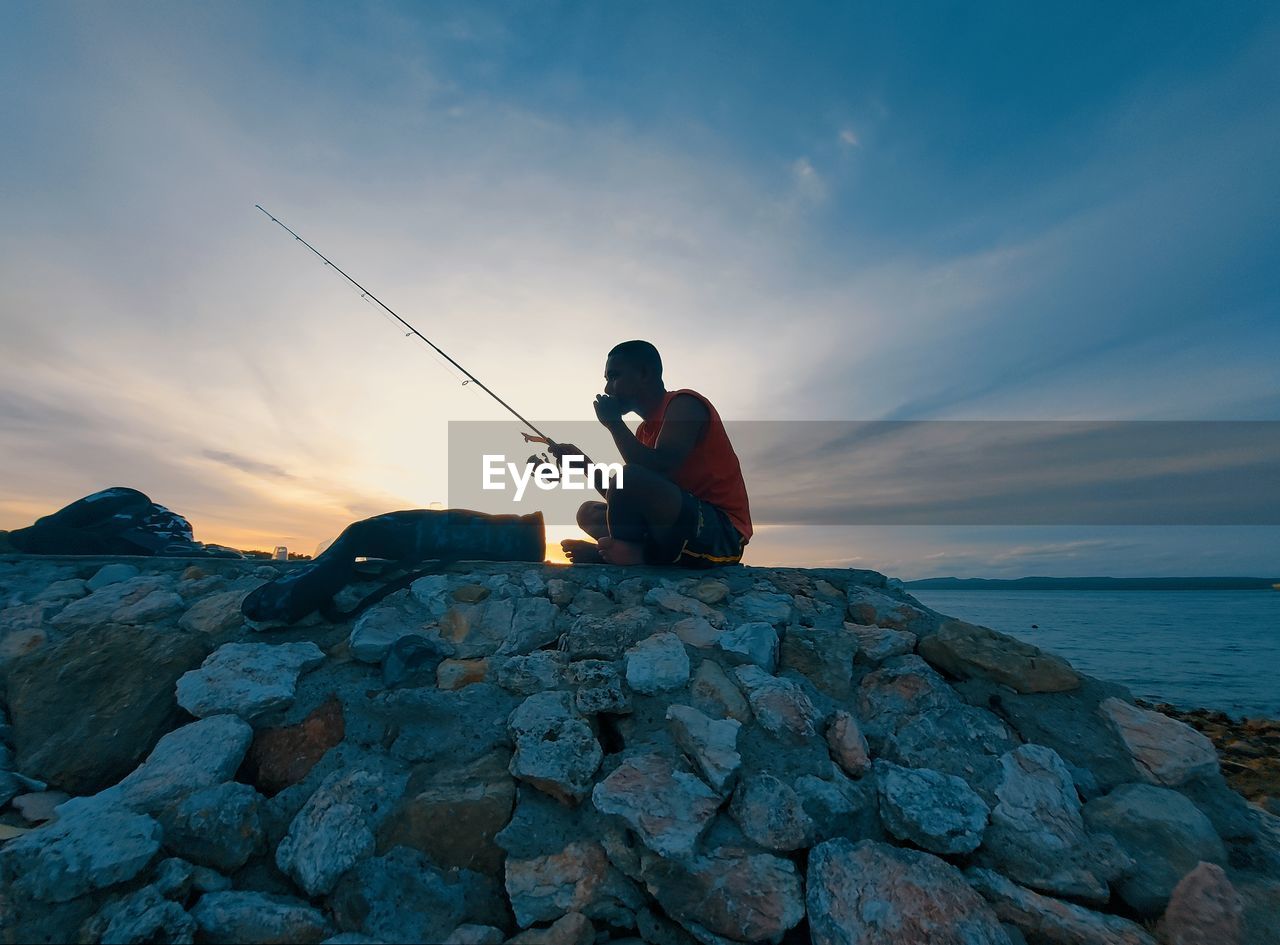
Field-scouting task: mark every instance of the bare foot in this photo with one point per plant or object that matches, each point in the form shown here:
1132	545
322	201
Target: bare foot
582	552
621	552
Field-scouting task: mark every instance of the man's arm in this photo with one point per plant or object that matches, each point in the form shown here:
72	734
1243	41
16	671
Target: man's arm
685	420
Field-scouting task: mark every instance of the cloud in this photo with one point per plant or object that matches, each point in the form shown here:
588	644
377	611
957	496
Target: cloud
244	464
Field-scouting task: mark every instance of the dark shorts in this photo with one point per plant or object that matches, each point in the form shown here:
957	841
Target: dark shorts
702	537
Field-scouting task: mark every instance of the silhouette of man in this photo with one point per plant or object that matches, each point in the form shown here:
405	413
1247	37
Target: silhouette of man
682	499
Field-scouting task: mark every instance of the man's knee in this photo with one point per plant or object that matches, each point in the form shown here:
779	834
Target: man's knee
591	514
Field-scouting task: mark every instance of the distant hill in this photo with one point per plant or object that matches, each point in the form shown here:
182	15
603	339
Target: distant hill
1094	584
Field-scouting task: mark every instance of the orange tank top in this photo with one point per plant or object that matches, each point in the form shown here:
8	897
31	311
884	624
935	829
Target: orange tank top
711	471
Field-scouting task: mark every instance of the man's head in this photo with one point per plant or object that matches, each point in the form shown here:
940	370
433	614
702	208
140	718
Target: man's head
633	375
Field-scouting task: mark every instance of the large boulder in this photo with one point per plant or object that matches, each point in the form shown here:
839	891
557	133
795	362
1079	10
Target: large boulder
868	893
556	751
245	916
965	650
1052	921
87	709
668	808
937	812
247	679
1166	751
1165	835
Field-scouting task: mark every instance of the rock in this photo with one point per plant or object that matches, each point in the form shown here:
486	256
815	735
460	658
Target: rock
578	878
965	650
87	709
560	591
847	745
676	603
1166	751
79	853
935	811
572	929
537	672
335	828
711	744
247	679
1052	921
779	705
840	807
771	815
599	687
174	878
737	894
447	728
243	916
412	661
755	643
382	625
216	826
453	814
877	644
1037	836
458	674
111	574
710	591
215	616
697	632
38	807
606	638
470	593
400	897
593	603
1163	832
476	630
716	693
871	607
477	934
283	756
870	893
432	591
533	626
669	809
143	916
657	663
903	688
822	654
1204	909
764	606
195	756
556	751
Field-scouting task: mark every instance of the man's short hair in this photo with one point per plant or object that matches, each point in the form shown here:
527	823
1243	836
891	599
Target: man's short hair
641	354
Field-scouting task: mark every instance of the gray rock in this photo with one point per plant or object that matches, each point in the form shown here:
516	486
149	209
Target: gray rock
599	687
533	626
157	606
966	651
780	706
824	655
715	693
174	878
847	745
1037	836
903	688
893	609
877	644
840	807
556	751
1053	921
111	574
400	897
476	934
870	893
755	642
728	894
335	828
247	679
477	630
1164	833
38	807
935	811
770	608
657	663
383	624
87	709
141	917
606	638
537	672
195	756
217	826
711	744
696	632
243	916
79	853
676	603
1165	750
216	616
669	809
771	814
577	878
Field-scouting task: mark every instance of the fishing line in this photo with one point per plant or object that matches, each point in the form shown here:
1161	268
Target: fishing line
471	378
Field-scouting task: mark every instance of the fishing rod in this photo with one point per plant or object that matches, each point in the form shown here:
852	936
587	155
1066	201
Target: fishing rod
471	378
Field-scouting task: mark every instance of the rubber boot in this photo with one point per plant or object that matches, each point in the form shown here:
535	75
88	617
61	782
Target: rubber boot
406	537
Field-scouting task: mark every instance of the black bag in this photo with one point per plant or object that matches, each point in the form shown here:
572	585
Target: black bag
115	521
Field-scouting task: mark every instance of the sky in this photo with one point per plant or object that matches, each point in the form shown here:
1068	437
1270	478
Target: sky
888	212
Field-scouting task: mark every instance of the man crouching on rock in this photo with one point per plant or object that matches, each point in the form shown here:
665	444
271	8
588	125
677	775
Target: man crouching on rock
682	500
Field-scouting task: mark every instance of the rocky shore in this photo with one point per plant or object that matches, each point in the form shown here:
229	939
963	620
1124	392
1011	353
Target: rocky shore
537	754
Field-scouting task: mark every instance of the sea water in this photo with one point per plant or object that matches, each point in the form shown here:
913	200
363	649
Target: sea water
1211	649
